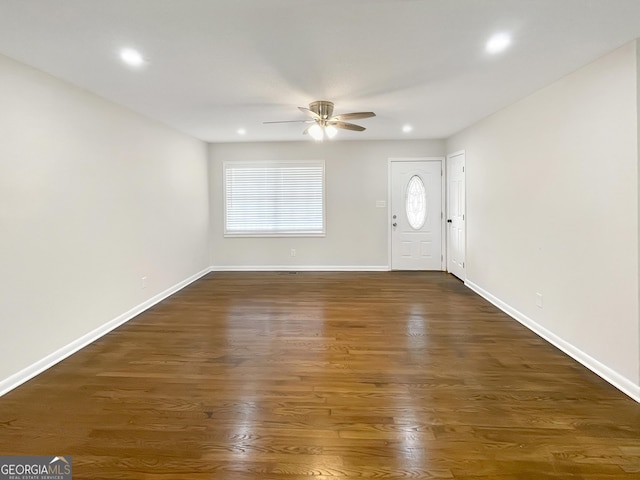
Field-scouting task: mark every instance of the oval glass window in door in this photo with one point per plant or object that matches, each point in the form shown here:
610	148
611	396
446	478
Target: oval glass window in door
416	203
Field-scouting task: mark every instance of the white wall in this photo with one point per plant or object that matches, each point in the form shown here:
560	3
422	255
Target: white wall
552	207
92	198
355	178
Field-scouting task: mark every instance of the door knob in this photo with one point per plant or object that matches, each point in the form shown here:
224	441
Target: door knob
449	220
395	224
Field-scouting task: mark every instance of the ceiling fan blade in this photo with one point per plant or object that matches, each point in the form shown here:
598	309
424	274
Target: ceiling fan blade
311	113
353	116
292	121
347	126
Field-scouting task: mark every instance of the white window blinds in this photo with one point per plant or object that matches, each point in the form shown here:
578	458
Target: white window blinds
274	199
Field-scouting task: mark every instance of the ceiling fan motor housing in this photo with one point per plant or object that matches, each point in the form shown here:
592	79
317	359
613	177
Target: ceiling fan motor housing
324	108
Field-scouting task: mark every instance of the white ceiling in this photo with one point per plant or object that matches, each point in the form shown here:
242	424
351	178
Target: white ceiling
214	66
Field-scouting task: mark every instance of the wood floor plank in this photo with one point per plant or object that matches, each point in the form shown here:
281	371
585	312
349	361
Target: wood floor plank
320	375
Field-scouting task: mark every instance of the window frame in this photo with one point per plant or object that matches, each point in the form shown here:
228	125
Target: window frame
272	163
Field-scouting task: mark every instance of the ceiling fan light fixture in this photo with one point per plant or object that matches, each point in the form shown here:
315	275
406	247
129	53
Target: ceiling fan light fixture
331	131
316	132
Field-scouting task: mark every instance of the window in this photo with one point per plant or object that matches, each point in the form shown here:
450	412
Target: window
416	203
274	198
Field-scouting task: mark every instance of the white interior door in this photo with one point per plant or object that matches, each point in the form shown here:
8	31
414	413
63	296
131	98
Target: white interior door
456	240
416	215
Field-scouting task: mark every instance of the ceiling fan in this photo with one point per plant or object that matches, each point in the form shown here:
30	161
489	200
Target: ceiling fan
324	124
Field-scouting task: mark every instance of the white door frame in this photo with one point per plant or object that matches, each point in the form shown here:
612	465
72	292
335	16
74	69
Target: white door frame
446	255
443	233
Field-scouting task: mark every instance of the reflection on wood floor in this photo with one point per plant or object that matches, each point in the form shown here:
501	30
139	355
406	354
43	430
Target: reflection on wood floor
326	376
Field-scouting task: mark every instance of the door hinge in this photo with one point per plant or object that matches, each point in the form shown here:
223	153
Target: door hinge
462	264
463	169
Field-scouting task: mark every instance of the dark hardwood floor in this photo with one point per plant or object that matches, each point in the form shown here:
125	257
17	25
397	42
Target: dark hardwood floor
327	376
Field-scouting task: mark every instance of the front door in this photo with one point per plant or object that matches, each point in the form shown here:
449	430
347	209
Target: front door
416	214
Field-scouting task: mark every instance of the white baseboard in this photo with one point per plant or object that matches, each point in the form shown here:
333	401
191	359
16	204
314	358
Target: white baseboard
300	268
50	360
614	378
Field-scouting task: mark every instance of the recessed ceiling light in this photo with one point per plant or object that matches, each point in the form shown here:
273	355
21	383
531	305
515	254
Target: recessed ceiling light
241	131
407	128
498	43
131	57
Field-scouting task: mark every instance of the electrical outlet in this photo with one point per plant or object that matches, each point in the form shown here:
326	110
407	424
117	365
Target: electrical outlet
143	282
539	300
293	252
